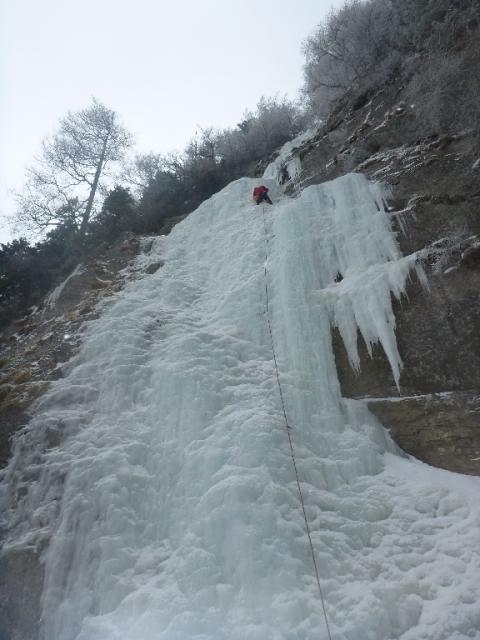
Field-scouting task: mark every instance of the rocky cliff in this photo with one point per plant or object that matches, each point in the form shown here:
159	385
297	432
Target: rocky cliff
435	209
433	174
435	199
434	204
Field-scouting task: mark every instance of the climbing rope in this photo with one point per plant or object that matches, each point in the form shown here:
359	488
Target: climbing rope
288	428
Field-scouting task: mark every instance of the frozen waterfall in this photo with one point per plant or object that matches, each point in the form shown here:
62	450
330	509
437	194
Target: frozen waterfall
170	510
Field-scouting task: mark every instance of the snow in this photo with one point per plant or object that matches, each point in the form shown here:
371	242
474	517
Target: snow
170	509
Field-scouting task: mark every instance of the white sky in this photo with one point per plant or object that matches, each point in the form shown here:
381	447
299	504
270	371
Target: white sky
163	66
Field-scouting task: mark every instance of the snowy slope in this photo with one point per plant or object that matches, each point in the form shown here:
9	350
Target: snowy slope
170	508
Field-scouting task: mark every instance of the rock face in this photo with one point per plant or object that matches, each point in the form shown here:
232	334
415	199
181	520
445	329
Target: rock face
435	209
441	429
20	594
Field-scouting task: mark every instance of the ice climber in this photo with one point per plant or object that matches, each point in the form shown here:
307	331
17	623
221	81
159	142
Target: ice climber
260	194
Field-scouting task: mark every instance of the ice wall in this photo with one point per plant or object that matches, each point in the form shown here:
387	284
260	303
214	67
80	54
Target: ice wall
288	160
169	510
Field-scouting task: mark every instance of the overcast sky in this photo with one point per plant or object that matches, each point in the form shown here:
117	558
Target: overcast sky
165	67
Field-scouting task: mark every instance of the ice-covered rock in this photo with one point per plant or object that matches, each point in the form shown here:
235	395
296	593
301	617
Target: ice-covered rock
167	502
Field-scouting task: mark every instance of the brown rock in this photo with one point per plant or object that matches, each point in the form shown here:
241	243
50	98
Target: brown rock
471	257
20	589
154	267
440	429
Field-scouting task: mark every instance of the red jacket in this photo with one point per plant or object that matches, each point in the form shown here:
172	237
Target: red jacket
258	190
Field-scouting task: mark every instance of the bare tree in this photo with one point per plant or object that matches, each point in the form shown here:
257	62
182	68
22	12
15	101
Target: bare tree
275	121
62	184
140	171
353	48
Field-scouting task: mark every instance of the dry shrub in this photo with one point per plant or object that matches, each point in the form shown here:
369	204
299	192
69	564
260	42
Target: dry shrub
446	90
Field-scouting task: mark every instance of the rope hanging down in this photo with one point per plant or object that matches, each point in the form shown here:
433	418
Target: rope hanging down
287	428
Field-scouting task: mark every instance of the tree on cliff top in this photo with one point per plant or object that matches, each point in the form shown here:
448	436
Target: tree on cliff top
62	184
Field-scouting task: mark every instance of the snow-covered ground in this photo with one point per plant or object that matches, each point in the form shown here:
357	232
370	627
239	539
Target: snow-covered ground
171	509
